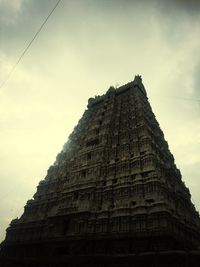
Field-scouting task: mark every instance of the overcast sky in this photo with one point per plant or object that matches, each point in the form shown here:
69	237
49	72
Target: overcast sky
85	47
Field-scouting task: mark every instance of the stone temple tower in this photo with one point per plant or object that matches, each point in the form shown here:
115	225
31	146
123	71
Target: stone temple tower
114	196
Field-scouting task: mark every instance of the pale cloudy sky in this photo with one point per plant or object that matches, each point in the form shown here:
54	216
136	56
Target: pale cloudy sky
85	47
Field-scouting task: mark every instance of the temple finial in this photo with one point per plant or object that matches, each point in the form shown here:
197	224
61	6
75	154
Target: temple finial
138	78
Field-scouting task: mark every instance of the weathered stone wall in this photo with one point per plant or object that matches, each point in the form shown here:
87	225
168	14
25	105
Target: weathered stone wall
114	176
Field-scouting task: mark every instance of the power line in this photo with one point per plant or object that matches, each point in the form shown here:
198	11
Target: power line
178	97
28	46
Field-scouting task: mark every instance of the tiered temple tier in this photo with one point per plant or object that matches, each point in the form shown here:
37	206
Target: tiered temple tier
114	184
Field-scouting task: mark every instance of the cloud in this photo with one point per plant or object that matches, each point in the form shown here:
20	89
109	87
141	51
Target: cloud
12	5
10	10
108	42
170	7
196	84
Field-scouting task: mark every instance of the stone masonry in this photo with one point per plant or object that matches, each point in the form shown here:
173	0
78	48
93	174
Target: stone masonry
114	189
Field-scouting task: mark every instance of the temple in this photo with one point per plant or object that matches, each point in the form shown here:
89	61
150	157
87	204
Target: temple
114	196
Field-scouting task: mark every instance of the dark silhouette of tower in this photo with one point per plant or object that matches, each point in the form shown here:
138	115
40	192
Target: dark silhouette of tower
114	196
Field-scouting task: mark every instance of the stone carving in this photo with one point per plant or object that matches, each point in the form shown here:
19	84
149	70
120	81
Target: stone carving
113	188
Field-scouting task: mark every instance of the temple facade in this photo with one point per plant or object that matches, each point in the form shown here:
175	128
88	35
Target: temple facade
114	195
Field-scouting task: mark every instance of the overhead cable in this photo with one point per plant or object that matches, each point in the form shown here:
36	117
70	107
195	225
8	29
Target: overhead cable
28	46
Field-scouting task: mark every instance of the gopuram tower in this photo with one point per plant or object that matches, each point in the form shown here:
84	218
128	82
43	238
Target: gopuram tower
114	196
